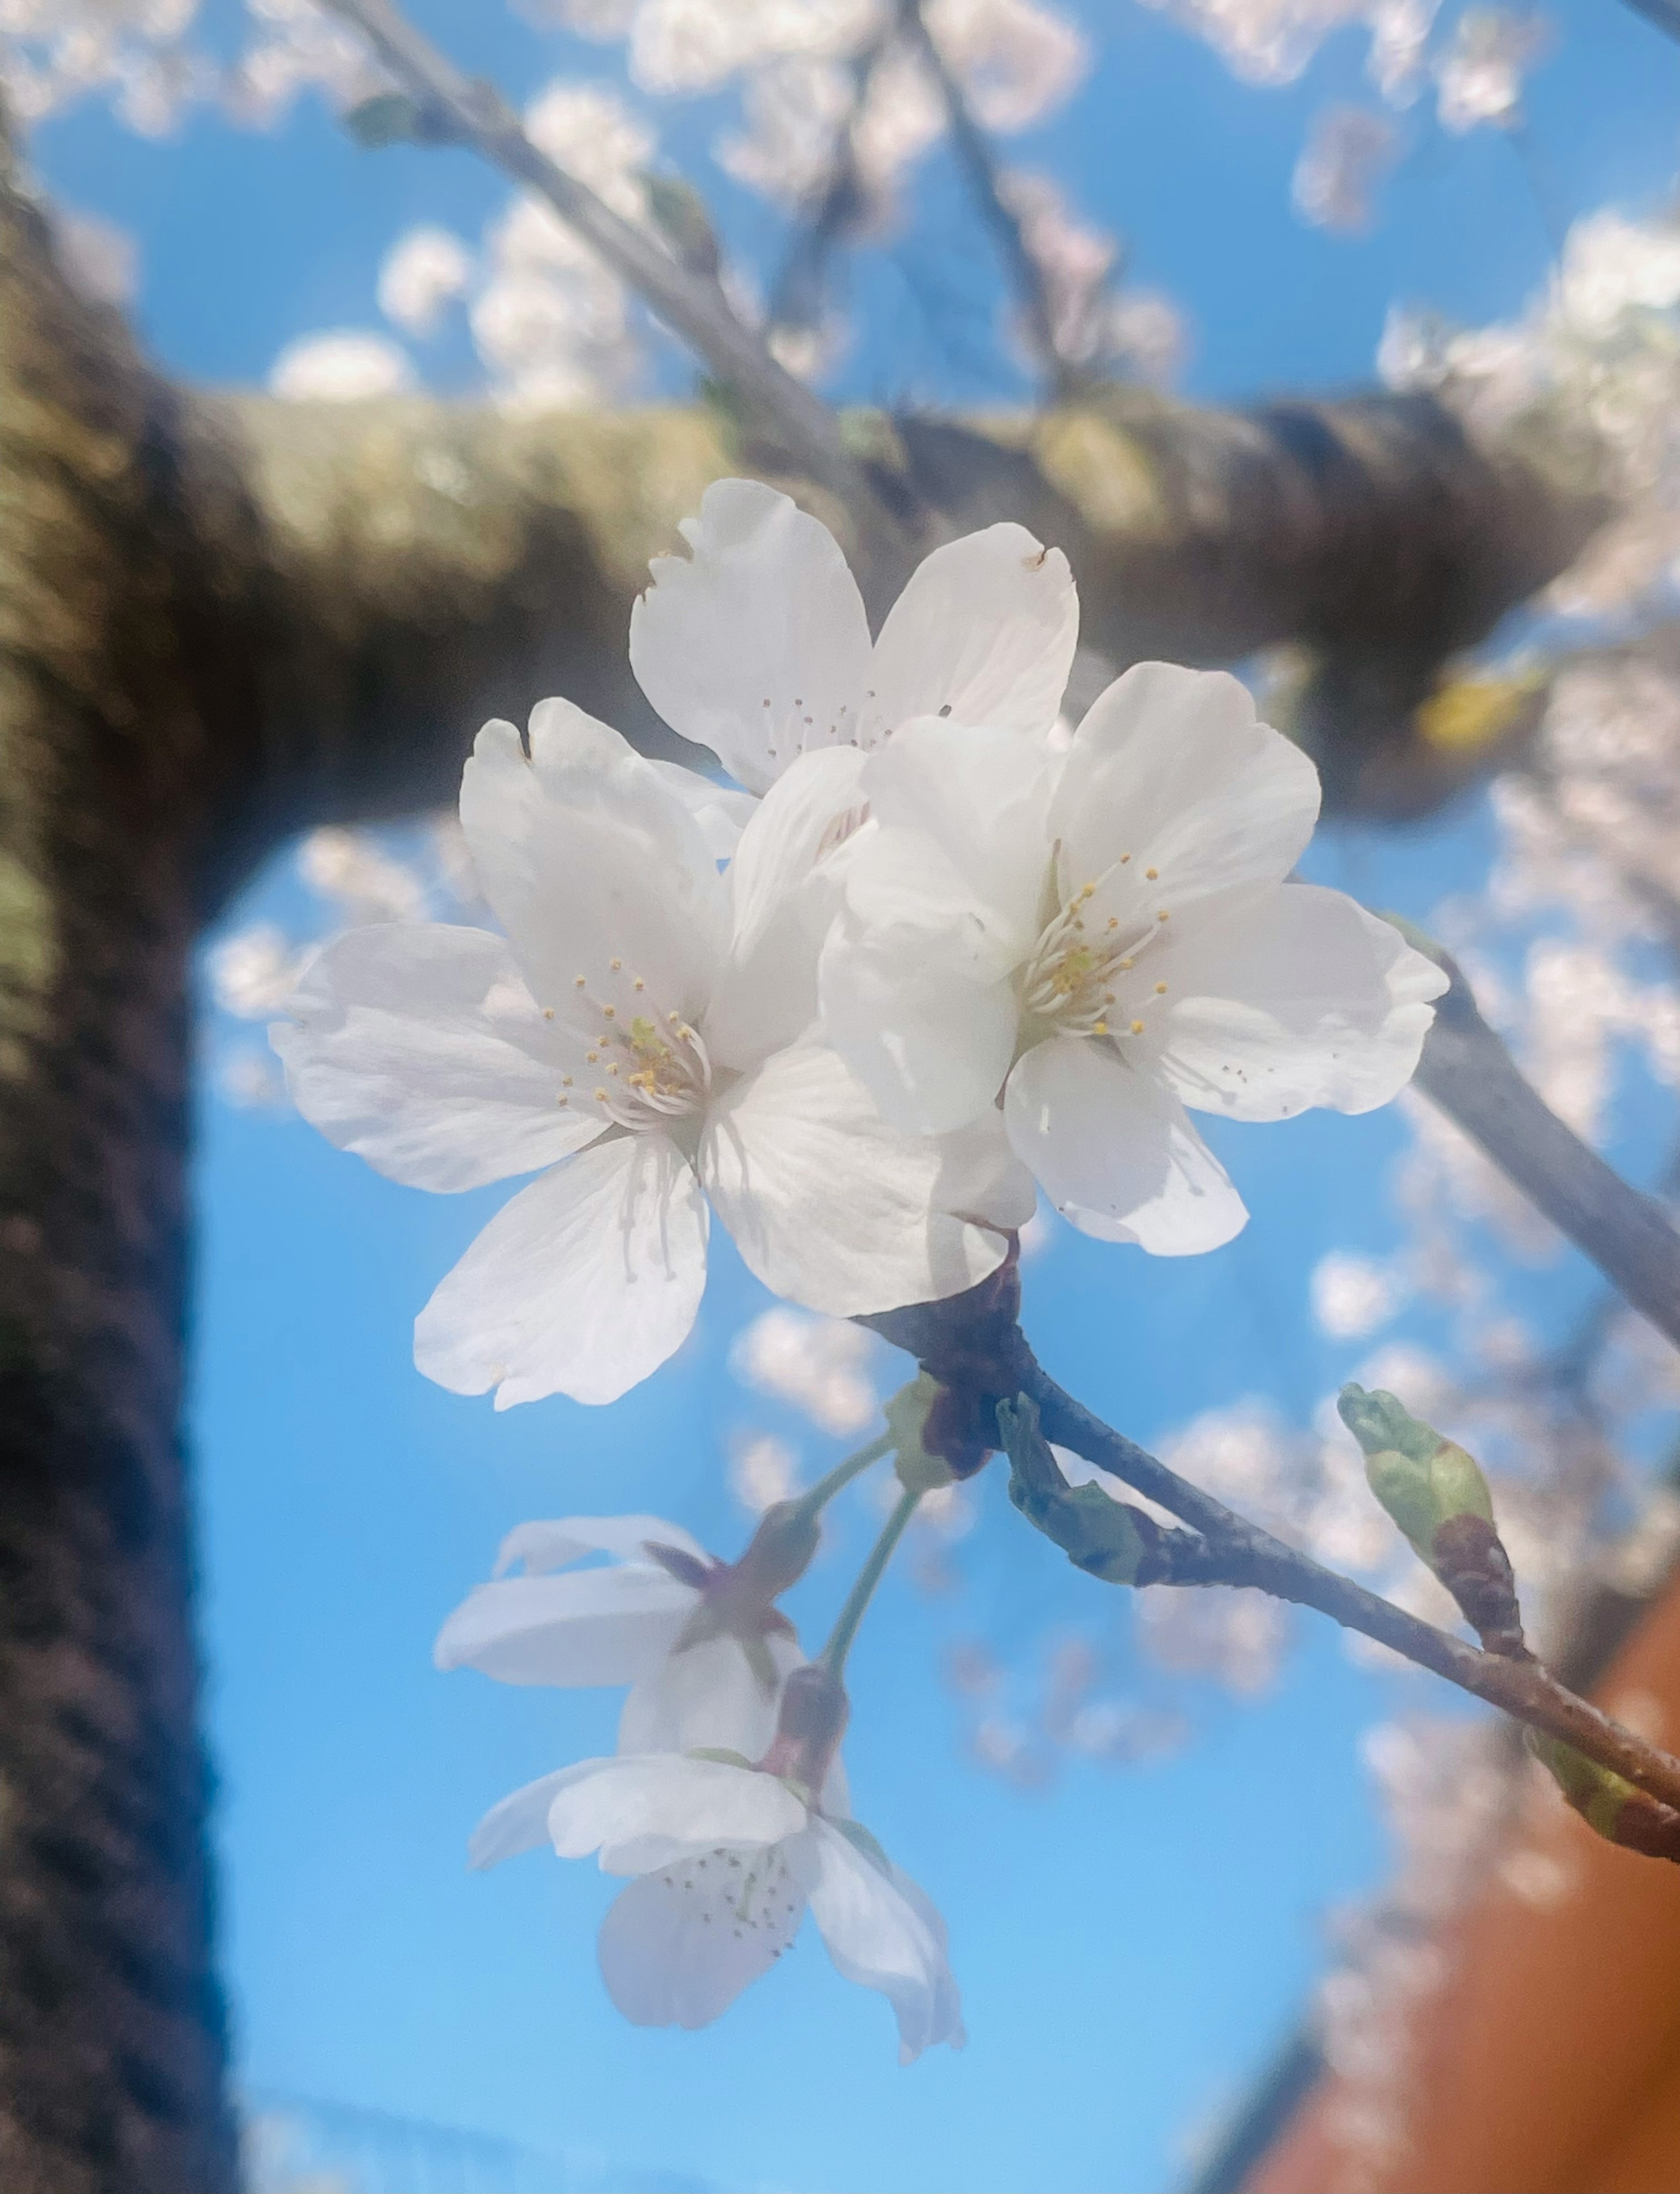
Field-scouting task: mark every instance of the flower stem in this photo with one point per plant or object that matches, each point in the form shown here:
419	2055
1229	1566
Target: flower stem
813	1502
833	1657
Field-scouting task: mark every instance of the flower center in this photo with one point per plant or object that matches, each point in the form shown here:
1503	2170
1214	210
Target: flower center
1072	978
740	1894
651	1065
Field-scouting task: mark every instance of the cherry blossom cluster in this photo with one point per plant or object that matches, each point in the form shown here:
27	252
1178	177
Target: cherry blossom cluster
929	951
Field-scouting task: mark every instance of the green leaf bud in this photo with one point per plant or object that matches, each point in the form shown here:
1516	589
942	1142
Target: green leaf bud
1611	1805
1422	1480
1109	1538
1437	1495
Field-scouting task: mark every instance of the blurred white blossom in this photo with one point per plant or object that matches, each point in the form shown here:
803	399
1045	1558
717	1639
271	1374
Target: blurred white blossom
250	1080
1347	153
821	1365
426	269
763	1470
136	54
298	46
1479	78
366	880
254	971
555	328
1353	1295
345	365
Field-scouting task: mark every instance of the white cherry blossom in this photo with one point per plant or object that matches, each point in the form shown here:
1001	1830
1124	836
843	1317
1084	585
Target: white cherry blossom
757	645
642	1619
642	1033
1105	938
726	1860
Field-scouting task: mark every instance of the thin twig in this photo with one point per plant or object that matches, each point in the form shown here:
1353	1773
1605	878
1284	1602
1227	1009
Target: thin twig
795	296
1241	1554
1468	1073
986	179
1664	14
476	114
972	1344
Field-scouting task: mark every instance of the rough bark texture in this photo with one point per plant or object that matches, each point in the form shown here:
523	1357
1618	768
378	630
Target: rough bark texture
223	619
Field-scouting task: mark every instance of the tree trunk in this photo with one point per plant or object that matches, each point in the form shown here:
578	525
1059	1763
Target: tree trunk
224	619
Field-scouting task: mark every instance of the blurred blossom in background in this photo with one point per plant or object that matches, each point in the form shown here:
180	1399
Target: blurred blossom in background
1162	1826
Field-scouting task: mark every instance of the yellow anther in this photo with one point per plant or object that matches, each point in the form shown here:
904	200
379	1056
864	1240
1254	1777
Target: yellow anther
566	1080
673	1019
1152	874
1162	916
548	1013
1127	965
640	984
1087	891
579	982
562	1100
610	1013
1099	1028
591	1056
600	1096
615	965
1113	921
1160	989
612	1066
1138	1028
1125	858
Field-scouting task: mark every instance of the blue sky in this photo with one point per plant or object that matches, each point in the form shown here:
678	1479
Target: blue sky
1131	1942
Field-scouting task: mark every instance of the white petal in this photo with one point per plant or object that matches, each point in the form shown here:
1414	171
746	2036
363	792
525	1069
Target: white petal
418	1046
582	1284
883	1936
783	891
722	813
1283	997
1115	1152
644	1809
608	1626
982	797
705	1696
985	632
1171	766
588	860
828	1204
982	1177
519	1823
552	1546
679	1946
930	1043
757	646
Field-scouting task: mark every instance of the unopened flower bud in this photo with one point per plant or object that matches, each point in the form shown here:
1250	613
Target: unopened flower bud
1611	1805
738	1600
907	1414
814	1712
1436	1494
